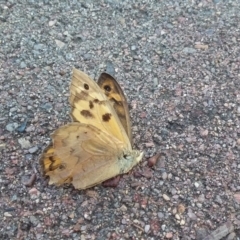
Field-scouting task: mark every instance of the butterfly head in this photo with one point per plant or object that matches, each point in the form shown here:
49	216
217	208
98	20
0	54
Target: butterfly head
129	160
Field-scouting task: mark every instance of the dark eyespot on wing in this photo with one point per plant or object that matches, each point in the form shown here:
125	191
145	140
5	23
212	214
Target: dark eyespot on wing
107	88
106	117
91	105
86	114
86	86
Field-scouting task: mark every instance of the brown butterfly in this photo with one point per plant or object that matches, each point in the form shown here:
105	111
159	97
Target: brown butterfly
97	145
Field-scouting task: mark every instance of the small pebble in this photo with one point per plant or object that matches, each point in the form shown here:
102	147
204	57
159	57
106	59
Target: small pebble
164	176
177	217
166	197
33	149
169	235
24	143
59	43
196	184
11	127
147	228
7	214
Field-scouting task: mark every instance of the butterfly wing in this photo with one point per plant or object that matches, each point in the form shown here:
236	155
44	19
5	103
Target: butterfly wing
115	95
86	156
91	106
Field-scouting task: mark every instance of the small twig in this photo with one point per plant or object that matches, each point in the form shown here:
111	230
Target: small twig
135	225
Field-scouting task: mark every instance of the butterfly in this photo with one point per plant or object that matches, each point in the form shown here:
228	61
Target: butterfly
97	145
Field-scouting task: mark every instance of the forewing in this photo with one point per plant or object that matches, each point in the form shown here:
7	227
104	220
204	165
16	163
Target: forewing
91	106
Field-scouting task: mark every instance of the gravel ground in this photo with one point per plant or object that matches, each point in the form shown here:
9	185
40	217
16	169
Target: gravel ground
179	65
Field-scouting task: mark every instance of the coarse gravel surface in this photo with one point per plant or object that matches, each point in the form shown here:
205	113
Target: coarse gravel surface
179	65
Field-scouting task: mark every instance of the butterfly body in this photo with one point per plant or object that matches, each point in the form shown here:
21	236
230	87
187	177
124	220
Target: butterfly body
95	146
